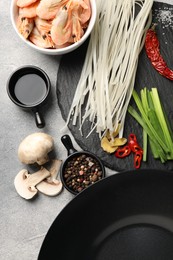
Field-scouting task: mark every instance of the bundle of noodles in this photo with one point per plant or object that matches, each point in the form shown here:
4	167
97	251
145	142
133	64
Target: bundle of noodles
108	74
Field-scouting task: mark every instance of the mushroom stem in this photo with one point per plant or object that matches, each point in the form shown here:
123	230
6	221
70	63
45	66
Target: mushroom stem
51	186
54	169
35	178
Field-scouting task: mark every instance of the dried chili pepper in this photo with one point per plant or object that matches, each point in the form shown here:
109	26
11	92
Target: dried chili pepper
152	47
123	152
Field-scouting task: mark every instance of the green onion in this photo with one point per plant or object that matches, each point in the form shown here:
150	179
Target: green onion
140	107
154	122
161	118
145	136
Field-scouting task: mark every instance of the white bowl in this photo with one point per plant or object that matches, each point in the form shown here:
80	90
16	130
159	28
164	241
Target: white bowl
14	15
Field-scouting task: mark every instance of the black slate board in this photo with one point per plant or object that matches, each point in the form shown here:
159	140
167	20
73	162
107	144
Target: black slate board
69	74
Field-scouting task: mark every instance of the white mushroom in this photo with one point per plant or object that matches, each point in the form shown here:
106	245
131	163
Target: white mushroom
51	186
25	183
35	148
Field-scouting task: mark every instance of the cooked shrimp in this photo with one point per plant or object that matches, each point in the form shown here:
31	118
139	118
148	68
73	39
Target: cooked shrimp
44	26
86	12
77	31
63	46
40	41
25	26
24	3
53	23
61	27
47	9
29	11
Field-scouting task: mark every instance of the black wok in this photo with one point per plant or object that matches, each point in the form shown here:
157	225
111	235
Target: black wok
125	216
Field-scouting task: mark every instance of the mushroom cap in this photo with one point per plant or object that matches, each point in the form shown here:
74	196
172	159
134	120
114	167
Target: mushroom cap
22	187
25	183
35	148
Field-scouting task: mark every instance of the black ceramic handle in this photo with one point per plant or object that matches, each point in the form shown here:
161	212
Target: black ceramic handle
67	142
39	120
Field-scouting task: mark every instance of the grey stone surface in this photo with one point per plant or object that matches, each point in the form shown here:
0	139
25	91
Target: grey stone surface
24	224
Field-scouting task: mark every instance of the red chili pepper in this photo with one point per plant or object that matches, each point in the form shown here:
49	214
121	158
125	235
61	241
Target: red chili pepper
134	146
137	159
132	137
152	47
123	152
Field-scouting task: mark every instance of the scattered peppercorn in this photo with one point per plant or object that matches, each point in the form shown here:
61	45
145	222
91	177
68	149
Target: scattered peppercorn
82	171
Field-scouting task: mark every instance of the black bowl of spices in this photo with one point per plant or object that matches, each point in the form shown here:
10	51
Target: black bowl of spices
81	168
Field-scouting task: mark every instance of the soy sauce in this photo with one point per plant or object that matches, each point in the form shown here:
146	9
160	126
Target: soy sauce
30	89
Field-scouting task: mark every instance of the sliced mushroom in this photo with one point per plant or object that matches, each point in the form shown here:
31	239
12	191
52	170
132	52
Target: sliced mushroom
35	148
25	183
51	186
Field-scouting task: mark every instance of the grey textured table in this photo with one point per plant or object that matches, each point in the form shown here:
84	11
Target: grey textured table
24	224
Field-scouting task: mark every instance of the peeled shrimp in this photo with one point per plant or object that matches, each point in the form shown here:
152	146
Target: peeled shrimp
40	41
25	26
29	11
61	27
24	3
47	9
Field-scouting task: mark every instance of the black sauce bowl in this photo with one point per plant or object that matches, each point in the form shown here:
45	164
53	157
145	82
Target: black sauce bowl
72	154
40	98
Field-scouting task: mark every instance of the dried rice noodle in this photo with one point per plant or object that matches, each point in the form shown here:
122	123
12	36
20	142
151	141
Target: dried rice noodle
108	74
